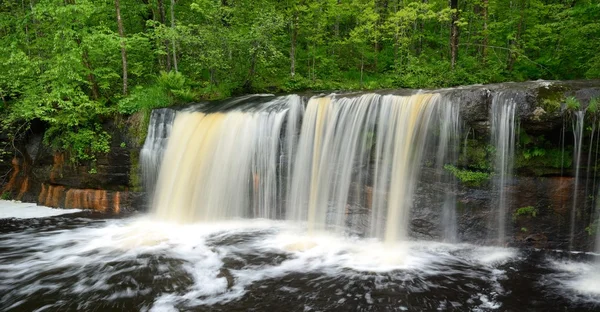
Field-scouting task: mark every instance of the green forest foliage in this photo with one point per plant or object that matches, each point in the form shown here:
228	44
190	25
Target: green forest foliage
63	61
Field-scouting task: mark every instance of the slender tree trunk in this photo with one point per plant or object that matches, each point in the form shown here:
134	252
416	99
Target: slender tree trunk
90	76
95	93
515	43
314	71
362	66
454	33
213	78
376	48
421	32
396	40
484	43
173	40
293	45
252	69
161	10
123	49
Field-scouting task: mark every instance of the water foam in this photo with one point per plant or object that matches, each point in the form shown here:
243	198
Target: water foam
206	264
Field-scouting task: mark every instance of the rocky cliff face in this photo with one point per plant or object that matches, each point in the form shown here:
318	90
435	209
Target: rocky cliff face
39	174
540	193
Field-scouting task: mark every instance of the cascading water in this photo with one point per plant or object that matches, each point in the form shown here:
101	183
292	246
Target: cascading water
578	125
159	130
267	162
217	165
447	152
503	139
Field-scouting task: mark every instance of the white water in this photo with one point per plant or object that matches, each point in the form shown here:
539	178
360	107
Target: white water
447	153
151	154
217	165
579	281
278	161
578	126
503	139
19	210
89	260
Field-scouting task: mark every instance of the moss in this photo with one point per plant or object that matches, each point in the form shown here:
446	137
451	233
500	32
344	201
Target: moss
5	195
572	103
527	211
135	180
592	229
477	156
593	105
539	156
138	127
551	98
468	177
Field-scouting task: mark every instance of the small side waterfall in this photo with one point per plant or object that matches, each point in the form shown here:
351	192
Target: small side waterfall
151	155
447	152
578	126
503	139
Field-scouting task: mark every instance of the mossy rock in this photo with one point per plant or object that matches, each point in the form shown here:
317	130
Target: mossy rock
552	97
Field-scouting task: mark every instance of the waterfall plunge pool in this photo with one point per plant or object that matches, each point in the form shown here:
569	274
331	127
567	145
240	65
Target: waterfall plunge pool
84	262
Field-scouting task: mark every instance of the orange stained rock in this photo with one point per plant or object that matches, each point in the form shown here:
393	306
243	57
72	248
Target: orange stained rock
87	199
42	196
15	173
561	194
24	188
51	195
117	202
59	160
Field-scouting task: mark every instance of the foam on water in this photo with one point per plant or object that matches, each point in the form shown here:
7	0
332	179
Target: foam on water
581	280
17	209
212	263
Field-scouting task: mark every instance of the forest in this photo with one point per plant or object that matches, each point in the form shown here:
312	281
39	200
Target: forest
73	64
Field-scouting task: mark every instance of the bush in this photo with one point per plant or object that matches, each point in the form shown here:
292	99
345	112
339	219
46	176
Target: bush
169	89
528	211
467	177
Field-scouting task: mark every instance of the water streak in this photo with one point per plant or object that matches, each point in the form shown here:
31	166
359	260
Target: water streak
314	165
503	139
578	125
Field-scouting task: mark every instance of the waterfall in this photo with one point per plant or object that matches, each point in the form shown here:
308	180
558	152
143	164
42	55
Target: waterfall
310	163
578	125
159	130
447	152
503	139
221	165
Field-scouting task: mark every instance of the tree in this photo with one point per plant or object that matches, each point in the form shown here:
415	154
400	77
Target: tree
123	49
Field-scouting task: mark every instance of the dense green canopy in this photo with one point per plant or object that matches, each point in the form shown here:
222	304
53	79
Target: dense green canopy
73	63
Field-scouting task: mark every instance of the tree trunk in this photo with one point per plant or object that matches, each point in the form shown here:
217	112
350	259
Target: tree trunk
85	59
362	67
454	33
293	44
515	43
161	10
173	40
123	49
484	43
90	76
252	69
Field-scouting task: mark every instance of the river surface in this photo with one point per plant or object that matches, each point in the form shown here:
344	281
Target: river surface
82	261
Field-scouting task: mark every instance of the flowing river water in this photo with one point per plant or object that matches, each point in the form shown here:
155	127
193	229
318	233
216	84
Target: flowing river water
82	261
